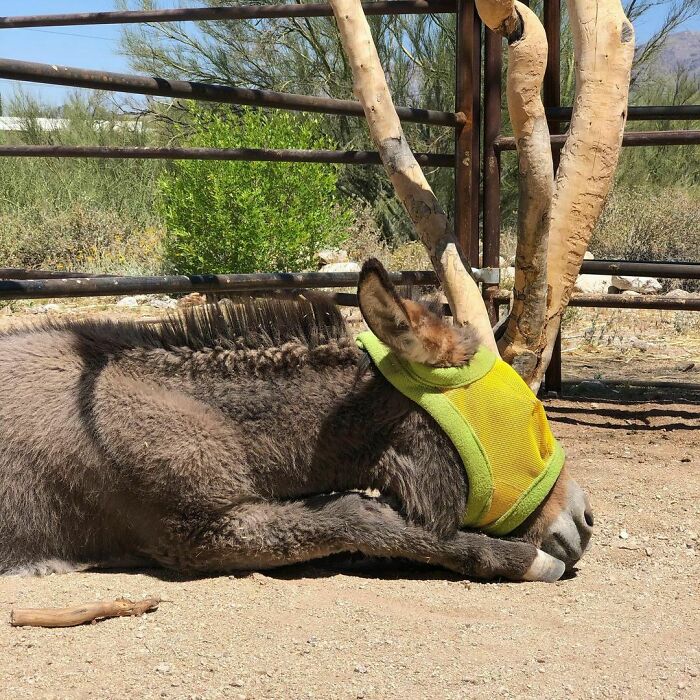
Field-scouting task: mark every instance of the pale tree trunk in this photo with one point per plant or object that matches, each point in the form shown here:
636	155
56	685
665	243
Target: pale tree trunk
412	189
523	338
604	49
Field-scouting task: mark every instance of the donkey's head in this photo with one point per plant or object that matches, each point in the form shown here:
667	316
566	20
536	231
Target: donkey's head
549	254
518	485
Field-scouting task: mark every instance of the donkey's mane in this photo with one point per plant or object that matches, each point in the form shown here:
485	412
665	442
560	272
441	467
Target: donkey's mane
311	319
233	323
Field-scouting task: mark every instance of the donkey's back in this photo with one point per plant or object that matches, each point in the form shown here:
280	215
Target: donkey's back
115	434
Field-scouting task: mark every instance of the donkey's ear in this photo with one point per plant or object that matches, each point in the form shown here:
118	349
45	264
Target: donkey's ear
382	308
407	327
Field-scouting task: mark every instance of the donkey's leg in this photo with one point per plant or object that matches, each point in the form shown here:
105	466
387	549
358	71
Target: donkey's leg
263	535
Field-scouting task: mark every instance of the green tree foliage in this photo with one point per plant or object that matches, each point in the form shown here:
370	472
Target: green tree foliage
249	216
664	167
304	56
667	166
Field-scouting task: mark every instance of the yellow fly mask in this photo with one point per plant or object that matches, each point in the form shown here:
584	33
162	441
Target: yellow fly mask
497	425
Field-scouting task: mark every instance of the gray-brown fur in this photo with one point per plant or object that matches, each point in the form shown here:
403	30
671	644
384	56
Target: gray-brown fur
227	437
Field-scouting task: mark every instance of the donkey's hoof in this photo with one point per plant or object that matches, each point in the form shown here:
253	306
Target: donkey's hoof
544	568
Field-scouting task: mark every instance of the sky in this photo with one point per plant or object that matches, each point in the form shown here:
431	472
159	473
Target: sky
85	47
98	46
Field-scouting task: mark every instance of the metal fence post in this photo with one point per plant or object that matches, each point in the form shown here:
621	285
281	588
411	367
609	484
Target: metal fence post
491	210
551	95
467	140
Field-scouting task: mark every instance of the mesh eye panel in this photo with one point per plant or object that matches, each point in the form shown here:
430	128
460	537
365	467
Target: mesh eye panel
511	426
496	424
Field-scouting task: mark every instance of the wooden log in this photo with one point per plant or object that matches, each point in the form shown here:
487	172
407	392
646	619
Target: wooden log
604	50
411	187
527	61
81	614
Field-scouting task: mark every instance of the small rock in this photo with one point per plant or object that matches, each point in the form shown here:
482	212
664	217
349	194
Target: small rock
593	284
678	294
639	344
129	302
341	267
330	256
685	459
624	535
360	669
45	308
647	551
643	285
588	255
165	669
237	683
163	303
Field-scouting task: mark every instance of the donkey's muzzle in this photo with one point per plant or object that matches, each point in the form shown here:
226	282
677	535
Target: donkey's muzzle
568	537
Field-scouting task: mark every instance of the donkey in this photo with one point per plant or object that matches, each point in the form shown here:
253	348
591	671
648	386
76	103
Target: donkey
243	436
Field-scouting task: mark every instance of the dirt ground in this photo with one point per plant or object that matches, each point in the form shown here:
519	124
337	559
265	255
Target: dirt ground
627	625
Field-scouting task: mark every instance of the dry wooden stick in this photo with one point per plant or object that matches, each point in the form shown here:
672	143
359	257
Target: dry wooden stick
527	61
80	614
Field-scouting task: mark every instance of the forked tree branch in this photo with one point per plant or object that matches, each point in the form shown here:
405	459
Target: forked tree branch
411	187
604	50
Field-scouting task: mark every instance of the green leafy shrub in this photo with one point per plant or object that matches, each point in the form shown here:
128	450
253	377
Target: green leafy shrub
250	216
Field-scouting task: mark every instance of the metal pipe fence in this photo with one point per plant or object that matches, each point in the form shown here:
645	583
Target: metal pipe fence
243	11
477	165
280	155
37	284
675	137
68	76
